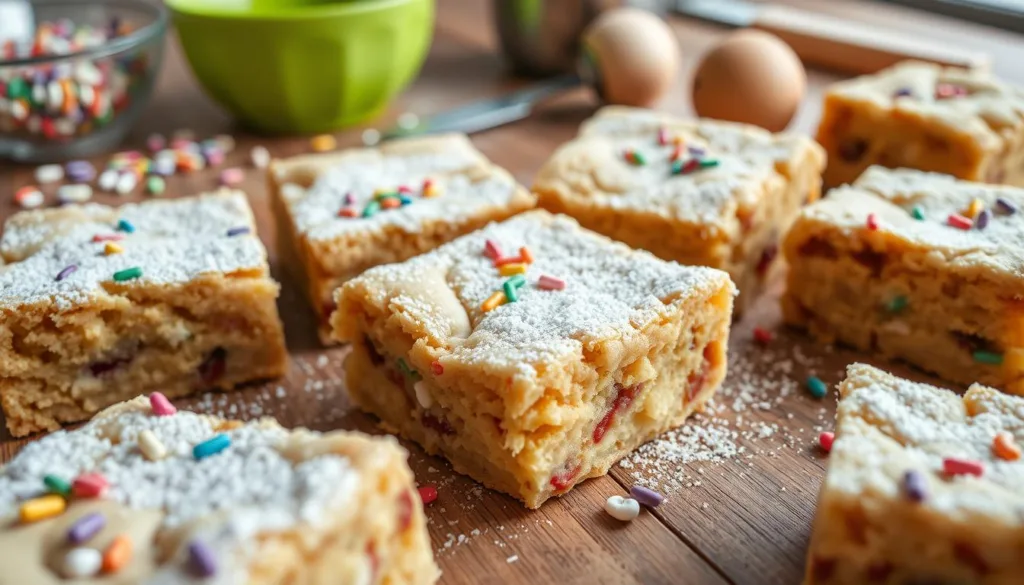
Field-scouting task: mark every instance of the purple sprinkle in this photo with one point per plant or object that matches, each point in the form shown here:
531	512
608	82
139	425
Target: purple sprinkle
80	171
913	485
86	527
981	222
201	559
1006	206
237	231
903	92
647	497
695	150
66	272
349	199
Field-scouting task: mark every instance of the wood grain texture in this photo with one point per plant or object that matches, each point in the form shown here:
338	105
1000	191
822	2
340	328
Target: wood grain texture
744	520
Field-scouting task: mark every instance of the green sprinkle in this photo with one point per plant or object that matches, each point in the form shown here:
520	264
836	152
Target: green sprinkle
897	304
405	369
371	208
517	281
127	274
708	163
917	213
510	291
988	357
18	88
125	226
156	185
817	388
384	195
677	167
57	485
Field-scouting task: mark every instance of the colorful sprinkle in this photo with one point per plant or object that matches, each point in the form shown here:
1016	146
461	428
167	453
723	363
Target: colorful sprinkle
57	485
323	143
81	563
391	203
260	157
349	199
548	282
817	388
49	173
511	293
903	92
826	439
406	370
872	222
1004	447
973	209
28	197
371	208
518	281
622	509
492	250
231	176
914	486
646	496
201	560
66	272
238	231
107	238
510	269
74	193
437	368
634	158
525	255
428	493
112	248
123	225
156	142
126	183
348	212
494	301
117	555
89	485
763	336
156	185
957	466
86	527
80	171
949	90
708	163
917	213
151	446
981	222
988	357
127	274
958	221
897	304
161	405
211	446
663	138
42	508
1006	206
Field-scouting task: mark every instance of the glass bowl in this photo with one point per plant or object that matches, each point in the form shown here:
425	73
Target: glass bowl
74	75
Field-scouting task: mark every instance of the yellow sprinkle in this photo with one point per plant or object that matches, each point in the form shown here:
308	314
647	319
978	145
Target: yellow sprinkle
42	508
974	209
678	140
323	143
430	191
112	248
494	301
510	269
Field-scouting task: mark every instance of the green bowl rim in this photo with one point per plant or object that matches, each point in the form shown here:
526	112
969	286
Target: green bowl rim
341	8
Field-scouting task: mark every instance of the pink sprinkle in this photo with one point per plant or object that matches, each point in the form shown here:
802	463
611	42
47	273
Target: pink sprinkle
89	485
427	184
958	221
955	466
662	136
180	143
156	142
825	440
872	221
546	282
161	405
491	250
404	189
763	336
232	176
349	199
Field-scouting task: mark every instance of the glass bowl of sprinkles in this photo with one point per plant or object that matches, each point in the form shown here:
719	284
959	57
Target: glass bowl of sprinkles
74	74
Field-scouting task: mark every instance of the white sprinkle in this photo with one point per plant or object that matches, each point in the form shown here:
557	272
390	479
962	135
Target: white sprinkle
107	180
620	508
408	121
423	394
81	563
30	199
151	446
49	173
226	142
77	193
54	95
126	183
260	157
371	137
512	559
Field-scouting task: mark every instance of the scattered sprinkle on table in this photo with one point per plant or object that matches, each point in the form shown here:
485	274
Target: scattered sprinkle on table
232	176
816	387
548	282
81	563
1004	447
646	496
238	231
49	173
80	171
260	157
872	222
988	357
66	272
371	137
958	466
126	183
117	555
161	405
74	193
323	143
1005	206
958	221
622	509
28	197
156	185
127	274
89	485
763	336
211	446
826	439
428	493
42	508
86	527
914	486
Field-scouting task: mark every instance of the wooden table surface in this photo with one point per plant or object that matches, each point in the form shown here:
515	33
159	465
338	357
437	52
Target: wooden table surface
741	480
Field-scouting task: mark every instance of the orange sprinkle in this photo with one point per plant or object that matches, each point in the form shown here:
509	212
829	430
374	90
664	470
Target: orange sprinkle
974	208
525	254
1004	447
508	260
117	554
348	212
391	203
494	301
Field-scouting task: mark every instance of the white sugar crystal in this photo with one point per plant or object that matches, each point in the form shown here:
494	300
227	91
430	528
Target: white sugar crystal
49	173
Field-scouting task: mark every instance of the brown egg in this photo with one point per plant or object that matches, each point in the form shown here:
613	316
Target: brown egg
752	77
631	56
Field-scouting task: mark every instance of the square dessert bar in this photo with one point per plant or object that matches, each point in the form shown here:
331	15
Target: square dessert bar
534	354
341	213
916	266
923	116
100	304
151	495
699	192
923	486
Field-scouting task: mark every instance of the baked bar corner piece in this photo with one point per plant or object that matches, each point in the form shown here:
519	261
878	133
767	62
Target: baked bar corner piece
915	266
343	212
534	354
101	304
965	123
699	192
923	486
145	494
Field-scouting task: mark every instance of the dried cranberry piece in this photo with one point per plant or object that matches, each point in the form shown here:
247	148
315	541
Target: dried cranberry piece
562	481
371	552
99	369
624	396
404	511
438	425
767	256
212	368
853	149
695	381
873	261
326	309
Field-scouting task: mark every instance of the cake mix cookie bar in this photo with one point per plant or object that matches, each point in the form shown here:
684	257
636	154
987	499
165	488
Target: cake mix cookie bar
341	213
146	494
916	266
534	354
101	304
923	486
923	116
700	192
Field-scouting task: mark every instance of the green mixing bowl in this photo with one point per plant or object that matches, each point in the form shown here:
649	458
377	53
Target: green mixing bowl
304	66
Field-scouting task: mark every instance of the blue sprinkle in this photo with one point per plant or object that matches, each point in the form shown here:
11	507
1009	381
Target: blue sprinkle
817	388
125	226
212	446
237	231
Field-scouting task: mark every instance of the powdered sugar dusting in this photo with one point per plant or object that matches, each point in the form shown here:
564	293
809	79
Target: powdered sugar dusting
173	242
